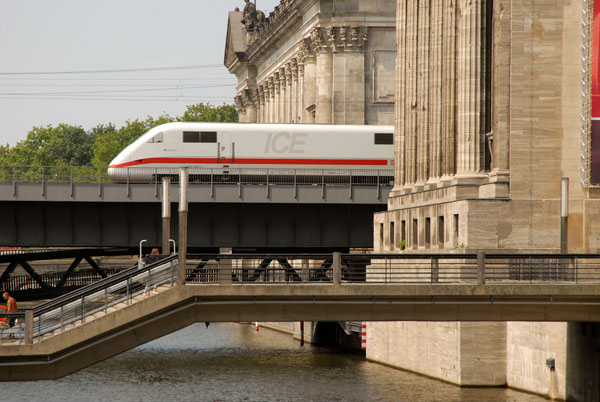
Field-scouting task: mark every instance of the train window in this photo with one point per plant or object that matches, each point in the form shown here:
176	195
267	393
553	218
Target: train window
384	138
191	136
157	138
208	136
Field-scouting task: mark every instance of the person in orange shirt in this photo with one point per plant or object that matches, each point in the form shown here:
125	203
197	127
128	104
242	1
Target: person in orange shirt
11	307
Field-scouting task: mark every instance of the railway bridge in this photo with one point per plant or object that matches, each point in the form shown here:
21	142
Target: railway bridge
143	303
248	210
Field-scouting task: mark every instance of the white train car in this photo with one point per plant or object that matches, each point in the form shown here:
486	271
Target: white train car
302	148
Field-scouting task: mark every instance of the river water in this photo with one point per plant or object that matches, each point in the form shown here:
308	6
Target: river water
233	362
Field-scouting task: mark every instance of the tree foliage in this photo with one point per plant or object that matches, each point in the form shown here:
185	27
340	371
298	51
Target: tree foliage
67	145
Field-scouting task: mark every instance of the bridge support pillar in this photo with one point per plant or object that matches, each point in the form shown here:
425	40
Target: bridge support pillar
29	327
337	268
166	215
183	221
305	273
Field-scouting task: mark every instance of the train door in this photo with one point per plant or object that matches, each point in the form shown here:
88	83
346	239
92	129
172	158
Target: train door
226	149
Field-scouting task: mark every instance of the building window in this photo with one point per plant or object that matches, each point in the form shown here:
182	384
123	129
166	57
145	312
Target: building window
441	230
415	233
403	232
392	237
456	232
381	237
427	232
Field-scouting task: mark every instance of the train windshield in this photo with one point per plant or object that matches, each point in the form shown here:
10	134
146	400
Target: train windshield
157	138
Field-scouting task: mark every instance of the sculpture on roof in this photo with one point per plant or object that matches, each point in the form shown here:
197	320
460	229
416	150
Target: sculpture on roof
250	17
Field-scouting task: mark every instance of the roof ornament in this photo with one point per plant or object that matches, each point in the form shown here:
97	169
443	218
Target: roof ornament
250	17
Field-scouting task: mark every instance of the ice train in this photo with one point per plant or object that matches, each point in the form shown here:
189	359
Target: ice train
305	149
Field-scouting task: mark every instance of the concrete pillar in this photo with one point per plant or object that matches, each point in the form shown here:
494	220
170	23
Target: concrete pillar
470	137
183	214
337	268
29	327
324	87
166	215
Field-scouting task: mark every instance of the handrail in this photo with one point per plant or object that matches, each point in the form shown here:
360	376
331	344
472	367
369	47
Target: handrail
206	175
99	285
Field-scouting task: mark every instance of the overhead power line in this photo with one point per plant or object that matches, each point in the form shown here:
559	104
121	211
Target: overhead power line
120	70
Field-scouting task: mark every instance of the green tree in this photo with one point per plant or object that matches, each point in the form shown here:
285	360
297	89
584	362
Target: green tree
207	112
64	145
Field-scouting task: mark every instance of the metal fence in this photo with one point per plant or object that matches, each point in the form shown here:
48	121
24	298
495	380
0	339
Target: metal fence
80	305
394	268
53	279
222	175
337	269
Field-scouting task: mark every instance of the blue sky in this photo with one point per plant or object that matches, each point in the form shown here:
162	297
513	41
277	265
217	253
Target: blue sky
78	35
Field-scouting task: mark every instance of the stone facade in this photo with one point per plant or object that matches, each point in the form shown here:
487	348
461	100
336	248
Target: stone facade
489	118
314	61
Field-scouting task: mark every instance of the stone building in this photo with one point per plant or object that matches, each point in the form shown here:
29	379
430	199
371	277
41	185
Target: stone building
492	110
314	61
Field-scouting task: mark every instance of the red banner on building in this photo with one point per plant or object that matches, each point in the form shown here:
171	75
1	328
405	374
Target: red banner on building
595	157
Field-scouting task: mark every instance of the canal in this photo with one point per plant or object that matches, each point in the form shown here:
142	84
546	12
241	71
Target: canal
233	362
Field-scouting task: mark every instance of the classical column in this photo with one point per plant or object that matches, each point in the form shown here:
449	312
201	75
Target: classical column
277	98
423	89
271	109
471	139
261	103
294	92
324	78
288	91
411	91
239	103
400	106
449	90
352	72
300	92
435	96
250	100
282	96
310	86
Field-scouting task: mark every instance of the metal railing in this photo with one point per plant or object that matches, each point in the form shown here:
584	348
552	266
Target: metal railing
329	269
214	176
53	279
394	268
80	305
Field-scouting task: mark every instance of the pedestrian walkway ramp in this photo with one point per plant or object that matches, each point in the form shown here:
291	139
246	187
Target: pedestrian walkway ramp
91	324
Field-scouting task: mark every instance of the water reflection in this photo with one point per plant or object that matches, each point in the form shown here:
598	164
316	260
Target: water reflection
232	362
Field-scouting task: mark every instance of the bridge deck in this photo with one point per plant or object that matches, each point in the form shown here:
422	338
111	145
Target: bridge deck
138	305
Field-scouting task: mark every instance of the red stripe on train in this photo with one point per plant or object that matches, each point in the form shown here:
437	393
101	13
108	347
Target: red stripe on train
255	161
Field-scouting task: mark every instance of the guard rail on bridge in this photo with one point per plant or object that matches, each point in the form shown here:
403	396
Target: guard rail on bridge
394	268
352	269
80	305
